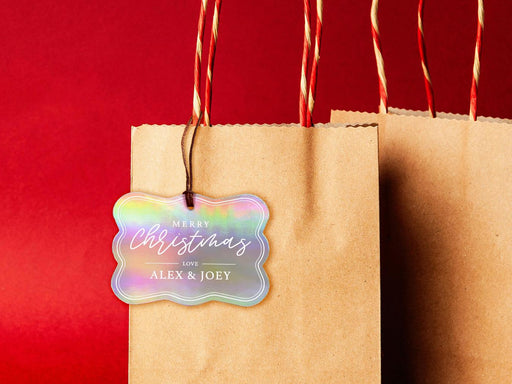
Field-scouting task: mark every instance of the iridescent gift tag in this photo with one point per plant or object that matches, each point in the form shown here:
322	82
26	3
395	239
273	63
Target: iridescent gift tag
166	251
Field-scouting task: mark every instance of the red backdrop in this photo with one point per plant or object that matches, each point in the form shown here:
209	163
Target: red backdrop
76	75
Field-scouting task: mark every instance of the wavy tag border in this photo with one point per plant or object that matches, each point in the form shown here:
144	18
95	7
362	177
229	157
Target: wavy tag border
206	297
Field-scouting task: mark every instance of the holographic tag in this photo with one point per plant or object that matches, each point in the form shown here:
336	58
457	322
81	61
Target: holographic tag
215	251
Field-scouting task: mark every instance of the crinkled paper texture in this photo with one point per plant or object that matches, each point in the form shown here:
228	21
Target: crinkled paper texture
320	322
446	222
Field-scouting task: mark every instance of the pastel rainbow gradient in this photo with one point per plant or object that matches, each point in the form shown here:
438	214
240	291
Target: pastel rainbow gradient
153	230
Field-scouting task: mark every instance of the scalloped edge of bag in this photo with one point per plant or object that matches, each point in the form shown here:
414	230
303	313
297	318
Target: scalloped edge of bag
241	126
425	114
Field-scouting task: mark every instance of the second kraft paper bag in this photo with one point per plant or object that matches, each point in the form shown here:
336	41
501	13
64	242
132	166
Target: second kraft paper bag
446	243
320	322
446	235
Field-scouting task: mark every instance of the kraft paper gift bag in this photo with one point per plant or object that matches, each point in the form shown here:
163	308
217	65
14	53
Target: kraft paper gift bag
320	321
446	245
446	241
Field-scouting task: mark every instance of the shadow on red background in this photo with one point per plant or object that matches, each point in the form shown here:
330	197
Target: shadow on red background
76	76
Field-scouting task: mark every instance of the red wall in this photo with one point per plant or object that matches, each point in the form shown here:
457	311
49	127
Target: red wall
76	75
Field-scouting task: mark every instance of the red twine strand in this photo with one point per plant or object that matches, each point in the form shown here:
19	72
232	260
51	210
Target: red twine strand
305	61
424	63
307	94
211	59
316	59
476	62
383	90
196	110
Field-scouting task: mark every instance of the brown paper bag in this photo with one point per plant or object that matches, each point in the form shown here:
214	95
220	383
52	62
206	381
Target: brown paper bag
320	322
446	241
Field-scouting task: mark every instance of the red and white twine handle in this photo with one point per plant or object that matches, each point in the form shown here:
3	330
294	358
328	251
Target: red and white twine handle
211	59
196	110
421	43
316	59
476	62
308	94
424	63
305	59
383	88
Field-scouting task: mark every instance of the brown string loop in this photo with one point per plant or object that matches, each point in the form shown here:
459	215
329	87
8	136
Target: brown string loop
186	152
